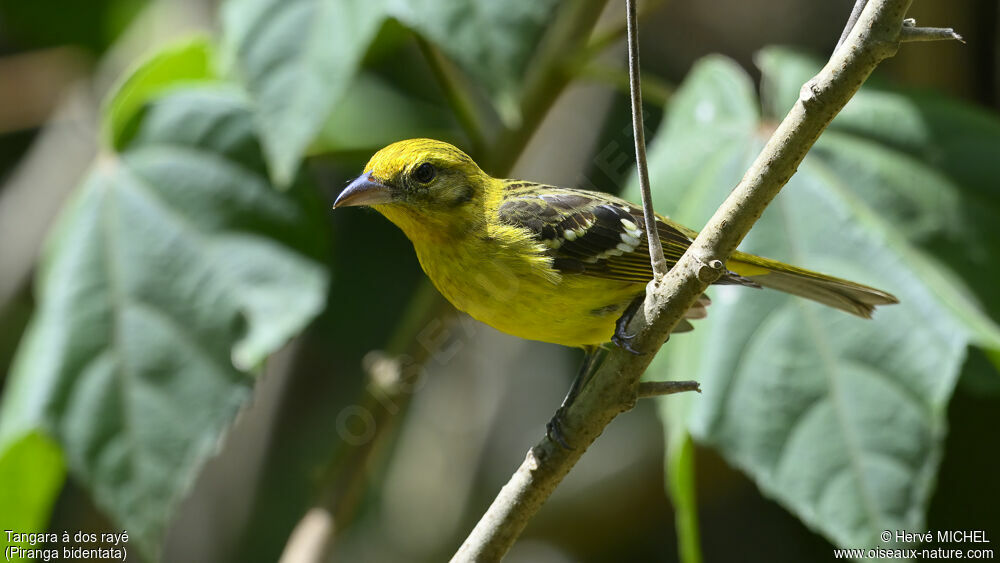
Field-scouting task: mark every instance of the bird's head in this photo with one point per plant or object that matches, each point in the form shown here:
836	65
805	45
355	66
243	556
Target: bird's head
422	185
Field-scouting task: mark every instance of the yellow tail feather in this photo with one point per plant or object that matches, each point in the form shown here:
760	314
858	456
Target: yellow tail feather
842	294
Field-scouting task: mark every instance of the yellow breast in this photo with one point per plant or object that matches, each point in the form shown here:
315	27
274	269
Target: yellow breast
511	286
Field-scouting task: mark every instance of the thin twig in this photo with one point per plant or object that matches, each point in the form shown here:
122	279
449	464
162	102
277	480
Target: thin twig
656	258
859	7
908	34
602	39
649	389
655	90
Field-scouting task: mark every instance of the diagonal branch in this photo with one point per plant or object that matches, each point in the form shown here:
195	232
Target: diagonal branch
614	387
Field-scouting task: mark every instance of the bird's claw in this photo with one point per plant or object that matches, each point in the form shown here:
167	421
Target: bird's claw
621	337
553	429
624	341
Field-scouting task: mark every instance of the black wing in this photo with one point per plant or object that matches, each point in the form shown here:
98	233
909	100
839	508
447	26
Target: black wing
592	233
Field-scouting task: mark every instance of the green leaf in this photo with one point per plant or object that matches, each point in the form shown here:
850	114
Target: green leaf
32	469
174	66
840	419
175	270
935	166
679	453
679	458
353	127
296	59
680	465
492	40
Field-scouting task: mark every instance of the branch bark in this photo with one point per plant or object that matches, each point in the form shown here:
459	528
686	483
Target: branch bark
874	37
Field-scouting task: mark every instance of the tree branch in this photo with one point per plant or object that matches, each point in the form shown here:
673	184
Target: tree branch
911	32
649	389
614	387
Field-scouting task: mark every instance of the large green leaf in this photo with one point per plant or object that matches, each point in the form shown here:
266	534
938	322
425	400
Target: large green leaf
838	418
934	159
176	269
298	58
176	66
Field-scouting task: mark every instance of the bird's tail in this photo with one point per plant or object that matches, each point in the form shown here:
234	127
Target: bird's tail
845	295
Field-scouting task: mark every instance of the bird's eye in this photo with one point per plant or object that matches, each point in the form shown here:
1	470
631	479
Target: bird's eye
425	173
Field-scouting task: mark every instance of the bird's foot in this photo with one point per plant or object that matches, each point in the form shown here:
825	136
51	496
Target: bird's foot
553	429
624	341
621	337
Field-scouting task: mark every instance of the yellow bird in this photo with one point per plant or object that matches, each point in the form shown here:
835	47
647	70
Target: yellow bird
559	265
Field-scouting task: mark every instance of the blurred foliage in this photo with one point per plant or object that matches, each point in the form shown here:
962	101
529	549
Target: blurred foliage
175	271
840	419
93	24
199	245
185	270
178	67
276	48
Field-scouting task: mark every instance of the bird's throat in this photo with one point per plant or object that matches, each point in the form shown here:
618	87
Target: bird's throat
418	227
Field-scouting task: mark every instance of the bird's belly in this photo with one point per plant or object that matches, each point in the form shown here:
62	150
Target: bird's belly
517	297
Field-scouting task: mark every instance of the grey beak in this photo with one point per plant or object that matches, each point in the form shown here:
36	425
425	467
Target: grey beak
364	190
